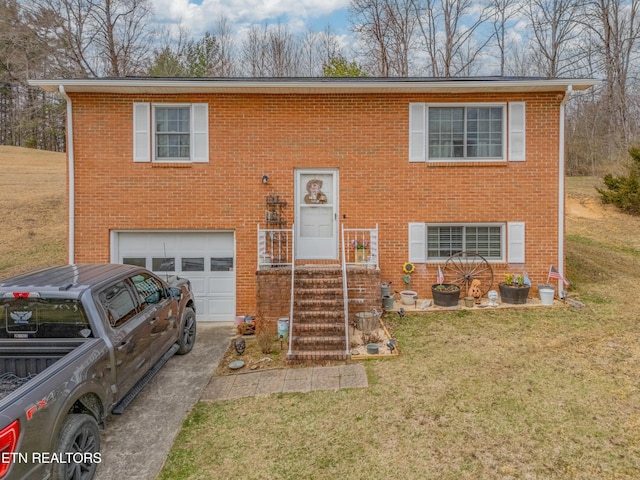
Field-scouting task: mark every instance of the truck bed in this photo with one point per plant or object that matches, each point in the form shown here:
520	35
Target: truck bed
22	361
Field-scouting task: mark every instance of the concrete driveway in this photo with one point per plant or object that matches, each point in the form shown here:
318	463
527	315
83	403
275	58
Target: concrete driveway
136	443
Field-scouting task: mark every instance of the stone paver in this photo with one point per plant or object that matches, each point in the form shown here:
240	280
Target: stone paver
271	382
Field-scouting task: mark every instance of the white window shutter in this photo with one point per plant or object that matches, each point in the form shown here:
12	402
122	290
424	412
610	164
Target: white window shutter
141	132
417	132
517	128
417	242
200	122
515	237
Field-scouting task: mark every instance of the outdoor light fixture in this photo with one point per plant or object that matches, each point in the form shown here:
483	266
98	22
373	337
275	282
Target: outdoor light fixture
265	178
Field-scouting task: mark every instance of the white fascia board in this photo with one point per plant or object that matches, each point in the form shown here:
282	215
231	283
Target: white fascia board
311	85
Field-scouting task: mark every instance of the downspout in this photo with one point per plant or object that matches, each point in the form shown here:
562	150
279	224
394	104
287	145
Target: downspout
70	160
561	186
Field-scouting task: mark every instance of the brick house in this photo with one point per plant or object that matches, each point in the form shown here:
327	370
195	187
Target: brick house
231	181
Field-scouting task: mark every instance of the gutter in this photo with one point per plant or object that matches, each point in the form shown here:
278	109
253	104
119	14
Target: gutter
561	186
72	184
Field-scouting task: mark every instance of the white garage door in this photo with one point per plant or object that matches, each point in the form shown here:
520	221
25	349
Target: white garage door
205	258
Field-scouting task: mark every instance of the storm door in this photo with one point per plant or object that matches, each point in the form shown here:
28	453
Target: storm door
316	219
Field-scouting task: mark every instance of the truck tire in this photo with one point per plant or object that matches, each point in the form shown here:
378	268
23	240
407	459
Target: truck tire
78	447
187	337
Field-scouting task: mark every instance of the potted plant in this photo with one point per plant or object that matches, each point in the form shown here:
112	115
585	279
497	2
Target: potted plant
514	290
445	294
360	248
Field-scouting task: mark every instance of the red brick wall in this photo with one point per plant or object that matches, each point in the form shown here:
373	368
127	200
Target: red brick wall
364	136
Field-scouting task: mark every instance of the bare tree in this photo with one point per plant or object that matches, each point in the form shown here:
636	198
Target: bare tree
555	35
102	37
452	44
614	27
271	51
254	55
283	52
28	117
317	48
386	29
223	31
504	12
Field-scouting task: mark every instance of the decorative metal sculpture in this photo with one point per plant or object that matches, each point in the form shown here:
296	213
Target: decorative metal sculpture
240	345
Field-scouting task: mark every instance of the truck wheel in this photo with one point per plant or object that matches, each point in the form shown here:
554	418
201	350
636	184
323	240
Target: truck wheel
78	448
188	333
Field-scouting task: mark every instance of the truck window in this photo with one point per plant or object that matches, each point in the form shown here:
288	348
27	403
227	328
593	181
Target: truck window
148	288
43	318
118	304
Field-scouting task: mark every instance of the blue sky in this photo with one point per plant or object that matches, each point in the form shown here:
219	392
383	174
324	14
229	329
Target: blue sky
199	15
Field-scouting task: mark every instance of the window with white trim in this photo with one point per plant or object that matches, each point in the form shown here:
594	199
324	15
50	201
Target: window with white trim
496	242
165	132
172	133
471	132
446	240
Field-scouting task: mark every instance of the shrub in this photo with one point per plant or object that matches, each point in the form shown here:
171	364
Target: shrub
624	191
265	341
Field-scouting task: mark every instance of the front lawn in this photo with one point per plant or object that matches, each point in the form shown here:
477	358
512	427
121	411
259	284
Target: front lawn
543	393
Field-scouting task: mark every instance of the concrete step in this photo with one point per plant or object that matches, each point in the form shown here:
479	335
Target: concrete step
316	355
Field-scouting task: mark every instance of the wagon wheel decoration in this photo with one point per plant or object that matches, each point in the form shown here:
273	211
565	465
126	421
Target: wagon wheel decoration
462	268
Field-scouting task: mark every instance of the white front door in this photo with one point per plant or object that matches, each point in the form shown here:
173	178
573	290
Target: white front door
316	220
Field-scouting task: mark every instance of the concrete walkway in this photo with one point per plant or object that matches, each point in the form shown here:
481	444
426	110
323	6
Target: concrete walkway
135	444
270	382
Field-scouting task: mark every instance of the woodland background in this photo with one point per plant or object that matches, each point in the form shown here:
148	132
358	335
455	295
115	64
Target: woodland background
388	38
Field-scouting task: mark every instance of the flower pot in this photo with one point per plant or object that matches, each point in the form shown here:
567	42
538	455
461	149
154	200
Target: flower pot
514	294
445	294
408	297
546	292
469	301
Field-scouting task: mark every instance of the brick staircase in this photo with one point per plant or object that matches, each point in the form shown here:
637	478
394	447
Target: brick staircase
318	330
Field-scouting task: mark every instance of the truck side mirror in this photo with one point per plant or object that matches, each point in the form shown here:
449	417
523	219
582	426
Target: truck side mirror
175	293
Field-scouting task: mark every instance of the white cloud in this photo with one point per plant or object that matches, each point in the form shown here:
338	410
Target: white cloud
199	17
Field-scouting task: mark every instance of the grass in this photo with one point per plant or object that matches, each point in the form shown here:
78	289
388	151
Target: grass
547	393
33	209
534	394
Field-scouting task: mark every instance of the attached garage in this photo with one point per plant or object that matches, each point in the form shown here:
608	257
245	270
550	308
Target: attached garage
206	258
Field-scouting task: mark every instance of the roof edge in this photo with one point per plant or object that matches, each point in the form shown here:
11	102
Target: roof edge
311	85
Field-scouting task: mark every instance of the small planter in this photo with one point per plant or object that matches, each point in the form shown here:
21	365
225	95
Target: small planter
445	294
408	297
514	294
469	302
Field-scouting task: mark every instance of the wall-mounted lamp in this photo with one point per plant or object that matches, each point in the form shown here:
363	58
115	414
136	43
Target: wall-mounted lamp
265	178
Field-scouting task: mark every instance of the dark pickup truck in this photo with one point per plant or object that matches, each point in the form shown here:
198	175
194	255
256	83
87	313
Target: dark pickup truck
77	343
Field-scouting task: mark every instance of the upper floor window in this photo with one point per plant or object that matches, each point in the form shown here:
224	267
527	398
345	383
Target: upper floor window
453	132
465	132
165	132
172	133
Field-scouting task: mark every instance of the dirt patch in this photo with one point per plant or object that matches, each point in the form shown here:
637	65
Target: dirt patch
584	208
254	359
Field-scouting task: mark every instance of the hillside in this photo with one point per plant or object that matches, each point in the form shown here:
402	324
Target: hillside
33	208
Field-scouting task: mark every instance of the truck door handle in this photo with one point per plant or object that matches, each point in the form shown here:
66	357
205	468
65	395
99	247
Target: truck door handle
123	345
